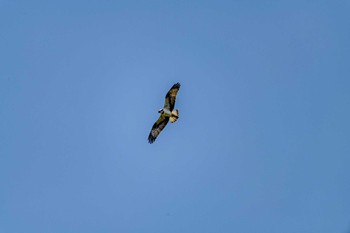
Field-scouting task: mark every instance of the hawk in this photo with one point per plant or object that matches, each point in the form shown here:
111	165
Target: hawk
166	113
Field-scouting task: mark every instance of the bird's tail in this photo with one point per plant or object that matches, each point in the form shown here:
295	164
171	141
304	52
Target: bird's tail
174	115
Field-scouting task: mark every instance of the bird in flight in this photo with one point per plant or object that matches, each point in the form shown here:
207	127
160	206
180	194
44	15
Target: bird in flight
166	113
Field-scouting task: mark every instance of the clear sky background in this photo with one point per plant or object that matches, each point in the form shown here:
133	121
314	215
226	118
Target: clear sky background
262	143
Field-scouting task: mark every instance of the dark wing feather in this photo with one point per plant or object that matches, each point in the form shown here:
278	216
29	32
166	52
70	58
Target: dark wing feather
171	97
157	128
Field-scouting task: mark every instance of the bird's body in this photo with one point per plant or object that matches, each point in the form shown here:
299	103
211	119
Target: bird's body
166	113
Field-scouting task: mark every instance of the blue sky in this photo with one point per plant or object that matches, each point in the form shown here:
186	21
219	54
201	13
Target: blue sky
262	143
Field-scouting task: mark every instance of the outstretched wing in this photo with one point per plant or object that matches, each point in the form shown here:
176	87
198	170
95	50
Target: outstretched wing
171	97
157	128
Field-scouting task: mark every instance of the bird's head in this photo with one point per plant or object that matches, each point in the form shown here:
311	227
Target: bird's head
160	110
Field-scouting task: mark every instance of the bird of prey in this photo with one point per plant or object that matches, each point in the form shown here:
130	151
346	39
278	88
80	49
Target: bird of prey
166	113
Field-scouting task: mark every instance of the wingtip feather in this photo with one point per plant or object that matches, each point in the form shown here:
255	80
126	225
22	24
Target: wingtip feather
151	139
177	85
